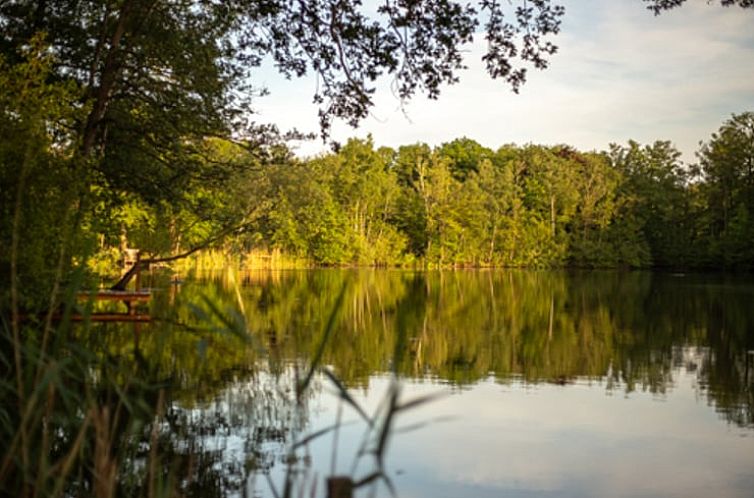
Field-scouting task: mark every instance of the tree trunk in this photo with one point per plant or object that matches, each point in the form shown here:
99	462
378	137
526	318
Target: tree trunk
552	215
492	243
107	82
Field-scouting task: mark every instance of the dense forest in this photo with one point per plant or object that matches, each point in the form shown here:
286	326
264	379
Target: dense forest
456	205
465	205
129	127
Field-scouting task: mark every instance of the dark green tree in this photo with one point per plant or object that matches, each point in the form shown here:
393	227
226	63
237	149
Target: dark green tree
656	183
465	156
727	169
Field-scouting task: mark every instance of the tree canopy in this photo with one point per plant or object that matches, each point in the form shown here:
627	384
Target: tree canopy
157	77
462	204
182	69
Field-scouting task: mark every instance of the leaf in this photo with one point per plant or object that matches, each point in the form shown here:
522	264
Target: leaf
366	480
345	396
318	434
329	327
419	425
419	401
236	327
387	425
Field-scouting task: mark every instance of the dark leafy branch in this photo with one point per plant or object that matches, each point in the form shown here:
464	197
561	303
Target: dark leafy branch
657	6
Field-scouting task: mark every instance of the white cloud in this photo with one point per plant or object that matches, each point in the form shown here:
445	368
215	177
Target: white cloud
621	73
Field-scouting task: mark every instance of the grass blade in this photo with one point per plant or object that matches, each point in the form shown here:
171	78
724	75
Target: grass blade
329	327
345	396
387	424
419	401
319	433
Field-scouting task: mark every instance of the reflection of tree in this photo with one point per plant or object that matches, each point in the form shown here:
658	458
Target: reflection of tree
730	386
260	410
198	384
183	408
625	328
630	330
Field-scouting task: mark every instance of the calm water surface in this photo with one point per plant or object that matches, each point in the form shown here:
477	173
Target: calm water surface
549	383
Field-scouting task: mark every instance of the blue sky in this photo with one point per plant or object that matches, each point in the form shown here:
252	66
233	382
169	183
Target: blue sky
621	73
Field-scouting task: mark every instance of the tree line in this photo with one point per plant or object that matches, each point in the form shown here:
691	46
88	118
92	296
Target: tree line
464	205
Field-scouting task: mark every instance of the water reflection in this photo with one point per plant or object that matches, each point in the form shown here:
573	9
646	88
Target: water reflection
628	328
530	356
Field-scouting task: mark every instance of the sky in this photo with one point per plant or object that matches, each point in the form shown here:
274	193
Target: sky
620	73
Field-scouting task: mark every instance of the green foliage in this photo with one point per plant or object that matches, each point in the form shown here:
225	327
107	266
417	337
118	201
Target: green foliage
173	188
533	206
119	128
656	181
727	194
465	156
38	204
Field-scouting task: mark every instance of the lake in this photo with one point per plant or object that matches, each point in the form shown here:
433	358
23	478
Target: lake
501	383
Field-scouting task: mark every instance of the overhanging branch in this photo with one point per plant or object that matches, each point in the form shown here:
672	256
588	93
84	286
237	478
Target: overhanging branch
145	263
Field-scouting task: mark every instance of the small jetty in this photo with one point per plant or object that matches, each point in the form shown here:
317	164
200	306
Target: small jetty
132	265
131	298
